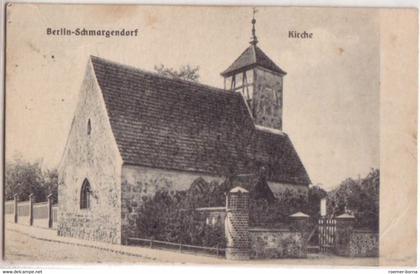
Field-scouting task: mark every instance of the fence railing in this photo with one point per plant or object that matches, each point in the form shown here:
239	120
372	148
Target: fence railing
182	248
42	213
9	207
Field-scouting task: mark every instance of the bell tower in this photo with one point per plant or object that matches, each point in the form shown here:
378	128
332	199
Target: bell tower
260	81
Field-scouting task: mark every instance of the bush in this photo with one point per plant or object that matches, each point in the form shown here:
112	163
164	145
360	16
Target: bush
263	212
360	197
164	217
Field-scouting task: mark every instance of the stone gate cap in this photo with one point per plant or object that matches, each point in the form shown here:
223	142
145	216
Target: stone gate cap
238	189
299	215
345	216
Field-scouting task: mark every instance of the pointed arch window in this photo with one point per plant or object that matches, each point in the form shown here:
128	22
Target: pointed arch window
89	127
85	195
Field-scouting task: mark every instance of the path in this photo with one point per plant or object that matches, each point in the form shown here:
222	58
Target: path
25	244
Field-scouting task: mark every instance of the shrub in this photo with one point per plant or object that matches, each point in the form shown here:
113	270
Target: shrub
164	217
360	197
262	212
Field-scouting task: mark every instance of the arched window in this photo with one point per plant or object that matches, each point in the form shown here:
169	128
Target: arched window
89	127
85	195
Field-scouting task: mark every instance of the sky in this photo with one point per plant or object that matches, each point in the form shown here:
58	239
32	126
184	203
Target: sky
331	90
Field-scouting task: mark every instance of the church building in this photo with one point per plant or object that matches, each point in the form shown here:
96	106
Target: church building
136	132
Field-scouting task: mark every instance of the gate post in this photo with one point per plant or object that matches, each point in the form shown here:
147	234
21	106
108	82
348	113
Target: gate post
31	209
344	229
50	216
238	244
299	221
15	199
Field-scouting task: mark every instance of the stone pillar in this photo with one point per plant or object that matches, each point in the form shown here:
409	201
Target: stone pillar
299	221
15	198
236	225
31	209
344	229
50	215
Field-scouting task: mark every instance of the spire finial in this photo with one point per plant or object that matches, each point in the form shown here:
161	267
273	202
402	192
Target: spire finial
254	39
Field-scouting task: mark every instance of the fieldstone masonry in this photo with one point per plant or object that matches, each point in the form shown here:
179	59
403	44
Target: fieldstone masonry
91	153
273	243
139	183
268	98
351	242
344	228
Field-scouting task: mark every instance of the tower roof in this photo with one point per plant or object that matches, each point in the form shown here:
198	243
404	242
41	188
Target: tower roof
253	56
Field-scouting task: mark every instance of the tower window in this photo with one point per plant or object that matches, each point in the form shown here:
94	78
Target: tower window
89	127
85	195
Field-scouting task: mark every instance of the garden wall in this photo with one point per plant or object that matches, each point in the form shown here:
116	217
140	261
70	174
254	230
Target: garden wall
364	243
356	243
271	243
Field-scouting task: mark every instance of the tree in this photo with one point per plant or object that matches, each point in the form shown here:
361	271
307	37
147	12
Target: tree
315	194
185	72
24	178
358	196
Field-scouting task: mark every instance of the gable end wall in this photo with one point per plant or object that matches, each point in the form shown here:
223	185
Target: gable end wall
96	158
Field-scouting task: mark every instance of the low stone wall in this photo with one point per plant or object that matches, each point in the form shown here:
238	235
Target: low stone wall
89	227
352	242
271	243
363	243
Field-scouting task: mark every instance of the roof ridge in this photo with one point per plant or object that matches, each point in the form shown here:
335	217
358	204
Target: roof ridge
254	52
270	130
151	73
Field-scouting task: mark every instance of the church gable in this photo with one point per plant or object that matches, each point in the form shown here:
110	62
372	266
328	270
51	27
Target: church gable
91	157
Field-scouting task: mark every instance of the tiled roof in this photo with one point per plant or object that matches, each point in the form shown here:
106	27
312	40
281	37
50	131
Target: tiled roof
251	57
176	124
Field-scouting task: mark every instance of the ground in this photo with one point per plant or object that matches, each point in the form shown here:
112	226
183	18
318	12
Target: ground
24	244
28	249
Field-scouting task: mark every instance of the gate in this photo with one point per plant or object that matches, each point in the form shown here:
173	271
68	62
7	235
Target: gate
326	234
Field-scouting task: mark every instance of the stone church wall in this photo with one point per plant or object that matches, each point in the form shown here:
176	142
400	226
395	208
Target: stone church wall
268	98
279	188
94	157
139	182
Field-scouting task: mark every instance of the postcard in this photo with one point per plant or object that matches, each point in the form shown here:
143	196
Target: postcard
226	135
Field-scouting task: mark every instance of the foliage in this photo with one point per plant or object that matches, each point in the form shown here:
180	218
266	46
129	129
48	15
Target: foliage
24	178
185	72
171	215
315	194
203	194
360	197
262	212
164	217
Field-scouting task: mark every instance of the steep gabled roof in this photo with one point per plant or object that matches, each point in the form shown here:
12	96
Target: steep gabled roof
252	56
175	124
